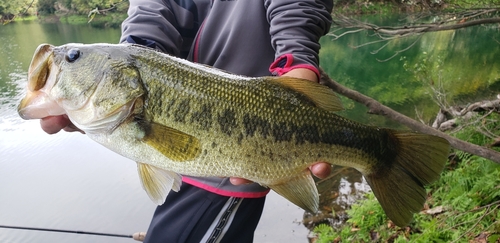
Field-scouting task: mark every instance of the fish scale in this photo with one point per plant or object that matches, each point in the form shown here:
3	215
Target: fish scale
174	117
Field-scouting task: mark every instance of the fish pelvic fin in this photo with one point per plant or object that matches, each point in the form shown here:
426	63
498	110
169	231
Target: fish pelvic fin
172	143
300	190
399	187
320	95
158	182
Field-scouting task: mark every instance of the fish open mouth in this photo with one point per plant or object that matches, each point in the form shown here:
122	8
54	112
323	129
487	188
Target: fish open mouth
42	75
40	67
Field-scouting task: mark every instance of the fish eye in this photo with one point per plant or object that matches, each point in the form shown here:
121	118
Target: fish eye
72	55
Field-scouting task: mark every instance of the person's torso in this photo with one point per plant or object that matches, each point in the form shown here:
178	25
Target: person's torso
229	35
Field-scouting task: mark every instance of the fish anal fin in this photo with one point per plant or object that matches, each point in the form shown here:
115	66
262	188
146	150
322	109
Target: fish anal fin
399	185
158	182
322	96
300	190
172	143
399	197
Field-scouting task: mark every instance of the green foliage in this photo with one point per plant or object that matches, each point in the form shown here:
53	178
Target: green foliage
472	3
326	232
112	20
81	7
85	6
364	7
46	7
465	200
11	8
428	72
74	19
481	128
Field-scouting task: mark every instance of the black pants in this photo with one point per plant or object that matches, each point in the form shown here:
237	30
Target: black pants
196	215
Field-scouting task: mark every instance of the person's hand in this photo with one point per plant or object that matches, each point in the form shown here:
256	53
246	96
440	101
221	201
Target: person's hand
302	73
318	169
54	124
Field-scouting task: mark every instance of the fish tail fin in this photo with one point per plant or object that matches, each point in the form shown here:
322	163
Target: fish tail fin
399	184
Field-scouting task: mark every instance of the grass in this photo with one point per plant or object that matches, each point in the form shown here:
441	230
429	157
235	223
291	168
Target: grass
25	18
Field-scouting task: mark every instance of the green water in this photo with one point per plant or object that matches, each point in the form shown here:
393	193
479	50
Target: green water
18	41
464	64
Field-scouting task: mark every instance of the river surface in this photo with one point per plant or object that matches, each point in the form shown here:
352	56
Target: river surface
66	181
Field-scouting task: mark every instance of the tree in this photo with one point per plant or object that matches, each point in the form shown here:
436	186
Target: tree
45	7
10	9
84	6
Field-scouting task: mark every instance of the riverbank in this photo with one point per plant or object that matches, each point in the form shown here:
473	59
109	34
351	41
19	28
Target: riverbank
109	20
462	206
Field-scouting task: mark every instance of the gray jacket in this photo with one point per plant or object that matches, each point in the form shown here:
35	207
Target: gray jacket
246	37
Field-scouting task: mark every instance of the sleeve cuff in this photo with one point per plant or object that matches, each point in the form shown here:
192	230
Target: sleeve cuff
142	41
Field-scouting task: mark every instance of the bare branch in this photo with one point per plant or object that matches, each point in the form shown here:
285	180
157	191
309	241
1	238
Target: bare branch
368	43
377	108
25	11
400	51
336	37
408	30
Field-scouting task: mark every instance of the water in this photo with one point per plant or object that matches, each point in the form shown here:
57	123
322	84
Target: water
66	181
63	181
464	63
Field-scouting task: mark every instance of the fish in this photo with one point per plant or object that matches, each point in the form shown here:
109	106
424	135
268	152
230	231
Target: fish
175	117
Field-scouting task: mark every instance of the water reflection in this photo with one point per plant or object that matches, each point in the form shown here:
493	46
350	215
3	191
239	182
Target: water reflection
463	62
338	192
53	181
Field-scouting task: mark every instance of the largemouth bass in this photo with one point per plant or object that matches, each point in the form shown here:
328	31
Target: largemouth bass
177	118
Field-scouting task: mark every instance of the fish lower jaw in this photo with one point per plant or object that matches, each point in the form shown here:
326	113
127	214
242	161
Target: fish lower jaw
37	105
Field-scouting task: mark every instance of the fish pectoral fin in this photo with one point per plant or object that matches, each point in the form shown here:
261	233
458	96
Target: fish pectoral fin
300	190
174	144
157	182
322	96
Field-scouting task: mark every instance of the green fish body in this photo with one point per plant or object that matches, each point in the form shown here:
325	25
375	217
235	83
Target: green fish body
177	118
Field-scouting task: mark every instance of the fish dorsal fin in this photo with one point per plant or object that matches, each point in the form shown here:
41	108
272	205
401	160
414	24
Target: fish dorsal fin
172	143
300	190
322	96
157	182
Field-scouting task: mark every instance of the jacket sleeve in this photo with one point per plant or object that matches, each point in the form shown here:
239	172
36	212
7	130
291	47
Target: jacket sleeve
152	21
295	29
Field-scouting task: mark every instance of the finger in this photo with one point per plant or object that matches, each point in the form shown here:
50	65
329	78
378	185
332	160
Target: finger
54	124
321	169
72	128
239	181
